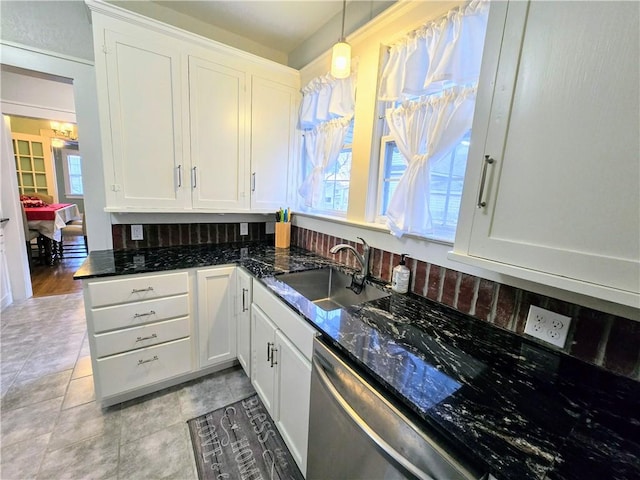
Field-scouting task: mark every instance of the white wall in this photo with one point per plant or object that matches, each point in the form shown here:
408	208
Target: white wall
24	94
358	13
190	24
60	26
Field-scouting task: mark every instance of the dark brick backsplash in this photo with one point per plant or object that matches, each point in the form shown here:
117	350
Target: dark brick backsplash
605	340
166	235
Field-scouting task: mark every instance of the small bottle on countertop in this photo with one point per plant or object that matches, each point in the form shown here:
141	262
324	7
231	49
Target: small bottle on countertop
400	277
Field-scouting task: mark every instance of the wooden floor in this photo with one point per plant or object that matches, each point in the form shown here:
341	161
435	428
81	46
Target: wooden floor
58	279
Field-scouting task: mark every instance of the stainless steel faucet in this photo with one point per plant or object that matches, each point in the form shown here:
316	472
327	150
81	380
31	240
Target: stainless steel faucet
358	278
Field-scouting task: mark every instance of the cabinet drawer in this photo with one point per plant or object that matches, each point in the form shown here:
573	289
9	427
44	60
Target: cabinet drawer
140	337
133	289
126	371
138	313
292	325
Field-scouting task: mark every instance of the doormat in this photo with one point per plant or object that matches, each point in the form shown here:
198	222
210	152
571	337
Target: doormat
241	442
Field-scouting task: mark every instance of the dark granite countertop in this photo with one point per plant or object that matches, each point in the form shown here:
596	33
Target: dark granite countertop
521	410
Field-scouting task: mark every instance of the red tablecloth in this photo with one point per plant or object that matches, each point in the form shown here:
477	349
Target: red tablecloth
44	213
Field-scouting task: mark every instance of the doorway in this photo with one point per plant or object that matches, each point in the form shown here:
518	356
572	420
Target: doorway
47	161
51	163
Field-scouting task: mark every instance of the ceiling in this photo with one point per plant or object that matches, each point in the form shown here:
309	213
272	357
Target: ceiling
280	25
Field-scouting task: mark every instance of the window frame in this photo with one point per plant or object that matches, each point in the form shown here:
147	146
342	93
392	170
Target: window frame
66	153
346	147
379	217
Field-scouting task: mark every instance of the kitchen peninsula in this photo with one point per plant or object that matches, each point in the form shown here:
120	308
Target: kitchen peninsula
517	409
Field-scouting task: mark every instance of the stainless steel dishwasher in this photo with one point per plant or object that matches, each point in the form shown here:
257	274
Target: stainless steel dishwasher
355	433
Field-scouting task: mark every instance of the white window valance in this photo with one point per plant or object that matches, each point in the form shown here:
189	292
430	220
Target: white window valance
442	53
326	98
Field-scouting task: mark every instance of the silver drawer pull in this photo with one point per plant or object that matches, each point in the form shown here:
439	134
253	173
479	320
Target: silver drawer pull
150	312
155	357
487	161
142	339
140	290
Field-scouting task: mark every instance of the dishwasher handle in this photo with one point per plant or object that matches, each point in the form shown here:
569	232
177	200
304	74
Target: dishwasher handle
380	443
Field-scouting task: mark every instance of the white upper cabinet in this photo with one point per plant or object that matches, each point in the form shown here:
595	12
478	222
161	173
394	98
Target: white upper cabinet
274	107
217	107
142	118
188	123
558	116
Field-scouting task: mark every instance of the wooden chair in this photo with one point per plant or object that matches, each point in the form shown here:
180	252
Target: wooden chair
76	228
42	196
29	236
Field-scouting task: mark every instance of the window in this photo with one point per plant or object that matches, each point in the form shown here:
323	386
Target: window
446	178
335	187
72	164
428	84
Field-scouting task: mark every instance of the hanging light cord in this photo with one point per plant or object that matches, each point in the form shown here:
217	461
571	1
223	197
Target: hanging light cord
344	11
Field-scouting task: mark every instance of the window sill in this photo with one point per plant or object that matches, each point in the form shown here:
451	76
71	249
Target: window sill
377	227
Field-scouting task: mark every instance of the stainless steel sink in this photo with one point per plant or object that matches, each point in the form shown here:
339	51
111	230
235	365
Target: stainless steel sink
327	288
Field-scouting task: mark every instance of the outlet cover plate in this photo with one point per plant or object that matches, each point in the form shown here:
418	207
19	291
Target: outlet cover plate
547	326
244	228
136	232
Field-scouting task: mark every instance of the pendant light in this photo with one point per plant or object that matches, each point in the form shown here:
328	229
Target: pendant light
341	54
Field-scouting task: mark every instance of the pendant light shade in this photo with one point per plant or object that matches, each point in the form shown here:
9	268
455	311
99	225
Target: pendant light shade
341	60
341	54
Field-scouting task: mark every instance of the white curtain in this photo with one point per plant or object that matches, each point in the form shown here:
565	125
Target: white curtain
443	53
322	146
424	132
326	98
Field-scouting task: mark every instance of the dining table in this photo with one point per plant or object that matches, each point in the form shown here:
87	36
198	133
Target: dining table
49	220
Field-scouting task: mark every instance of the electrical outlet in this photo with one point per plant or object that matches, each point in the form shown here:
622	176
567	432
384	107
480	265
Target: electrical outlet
136	232
269	227
244	229
548	326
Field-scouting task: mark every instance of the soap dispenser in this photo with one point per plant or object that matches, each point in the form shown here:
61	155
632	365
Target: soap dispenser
400	277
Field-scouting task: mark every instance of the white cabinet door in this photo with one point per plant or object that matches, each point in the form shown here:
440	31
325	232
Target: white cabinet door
216	319
273	142
243	320
294	398
262	368
218	178
563	194
146	97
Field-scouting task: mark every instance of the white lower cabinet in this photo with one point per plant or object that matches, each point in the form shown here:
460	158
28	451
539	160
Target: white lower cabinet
281	368
140	332
216	319
150	331
126	371
293	383
263	372
243	319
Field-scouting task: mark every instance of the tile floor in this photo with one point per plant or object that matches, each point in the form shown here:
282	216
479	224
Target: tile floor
52	428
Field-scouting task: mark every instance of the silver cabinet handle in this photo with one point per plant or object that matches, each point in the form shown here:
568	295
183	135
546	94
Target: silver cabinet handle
150	312
155	357
140	290
269	345
194	176
273	356
253	182
142	339
380	443
179	176
487	161
244	291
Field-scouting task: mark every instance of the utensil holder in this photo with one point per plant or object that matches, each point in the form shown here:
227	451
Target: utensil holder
283	235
